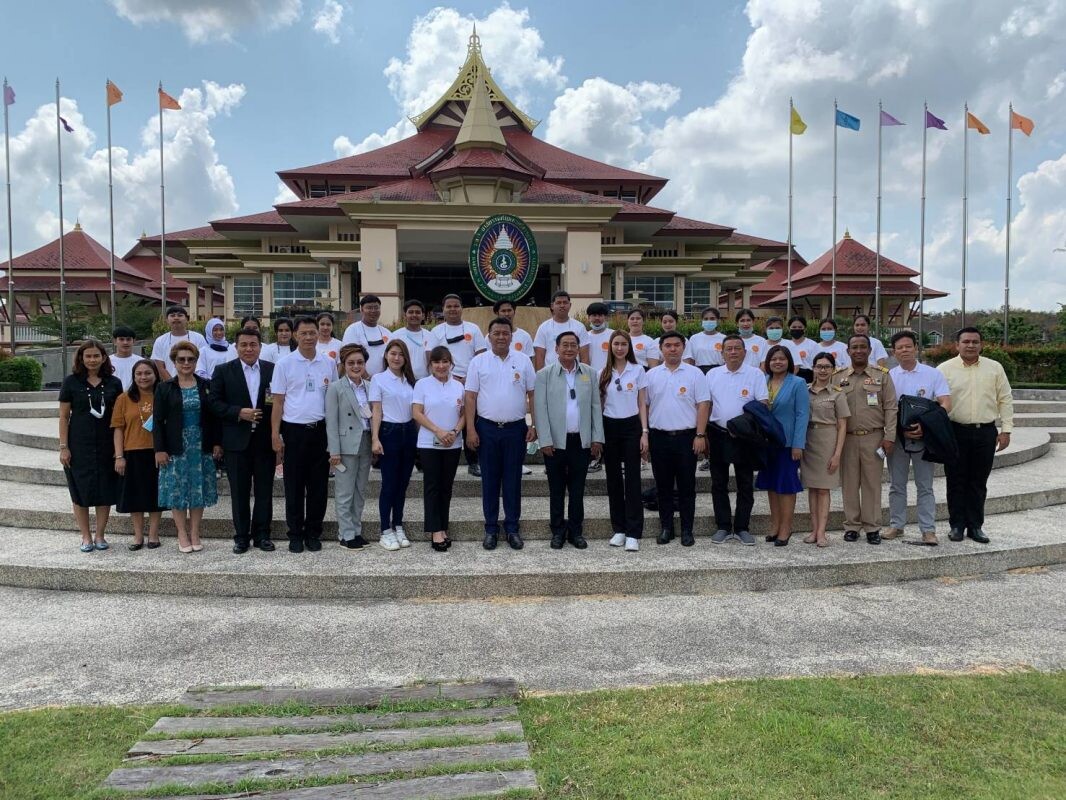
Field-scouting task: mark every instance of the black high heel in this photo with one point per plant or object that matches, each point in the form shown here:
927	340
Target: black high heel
772	537
782	542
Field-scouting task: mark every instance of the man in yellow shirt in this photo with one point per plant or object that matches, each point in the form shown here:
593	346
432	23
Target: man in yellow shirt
980	396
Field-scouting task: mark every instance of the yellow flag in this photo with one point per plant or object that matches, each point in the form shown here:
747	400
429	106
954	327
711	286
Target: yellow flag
114	94
797	126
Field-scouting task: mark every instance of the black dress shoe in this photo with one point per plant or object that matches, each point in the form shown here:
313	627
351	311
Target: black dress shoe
557	542
687	539
240	547
474	470
313	545
851	536
780	542
956	535
440	547
296	545
665	537
873	537
515	540
977	535
354	544
490	541
266	546
771	537
578	541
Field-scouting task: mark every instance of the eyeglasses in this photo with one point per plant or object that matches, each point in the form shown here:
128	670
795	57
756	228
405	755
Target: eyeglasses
185	360
823	366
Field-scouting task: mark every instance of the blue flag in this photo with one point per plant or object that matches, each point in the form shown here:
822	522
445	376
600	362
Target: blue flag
847	121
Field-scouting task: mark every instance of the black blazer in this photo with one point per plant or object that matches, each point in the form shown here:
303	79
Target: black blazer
167	418
229	394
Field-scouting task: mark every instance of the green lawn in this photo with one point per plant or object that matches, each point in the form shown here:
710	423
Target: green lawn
1001	736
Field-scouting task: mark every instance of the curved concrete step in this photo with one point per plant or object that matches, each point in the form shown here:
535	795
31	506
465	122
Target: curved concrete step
50	560
1039	420
30	397
1040	406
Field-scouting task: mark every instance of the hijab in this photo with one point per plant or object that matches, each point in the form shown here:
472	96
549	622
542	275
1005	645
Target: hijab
222	345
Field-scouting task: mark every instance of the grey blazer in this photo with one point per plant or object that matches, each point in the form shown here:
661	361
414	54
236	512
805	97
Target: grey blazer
344	424
549	406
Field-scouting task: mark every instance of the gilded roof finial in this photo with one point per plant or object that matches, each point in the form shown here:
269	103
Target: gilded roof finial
847	233
474	46
77	224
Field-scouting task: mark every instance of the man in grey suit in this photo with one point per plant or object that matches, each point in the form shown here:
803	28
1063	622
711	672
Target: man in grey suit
569	417
348	440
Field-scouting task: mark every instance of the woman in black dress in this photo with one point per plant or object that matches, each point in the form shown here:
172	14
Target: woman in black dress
86	445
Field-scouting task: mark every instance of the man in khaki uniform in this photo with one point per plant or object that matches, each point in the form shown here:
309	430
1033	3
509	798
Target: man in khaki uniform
872	424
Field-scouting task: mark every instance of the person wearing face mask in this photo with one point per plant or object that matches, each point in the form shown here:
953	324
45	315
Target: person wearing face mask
802	349
827	332
704	350
775	331
755	346
878	354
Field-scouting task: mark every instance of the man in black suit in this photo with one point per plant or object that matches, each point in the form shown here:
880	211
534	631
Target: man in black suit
240	392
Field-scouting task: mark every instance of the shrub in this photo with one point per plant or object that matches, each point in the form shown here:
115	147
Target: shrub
1022	363
25	372
8	387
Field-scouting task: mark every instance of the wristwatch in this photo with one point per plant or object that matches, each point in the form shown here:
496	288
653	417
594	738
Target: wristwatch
701	435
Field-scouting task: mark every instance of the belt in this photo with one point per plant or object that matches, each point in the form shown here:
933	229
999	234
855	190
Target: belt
974	424
314	424
862	432
821	424
682	432
509	424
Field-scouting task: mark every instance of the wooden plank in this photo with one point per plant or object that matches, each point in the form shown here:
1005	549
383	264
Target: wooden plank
141	778
302	742
172	725
369	697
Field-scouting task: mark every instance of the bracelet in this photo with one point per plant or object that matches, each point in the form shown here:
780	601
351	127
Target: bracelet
63	446
120	458
644	430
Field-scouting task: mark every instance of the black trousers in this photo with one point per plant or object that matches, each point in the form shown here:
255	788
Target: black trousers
438	477
306	479
567	471
674	463
967	479
621	462
251	470
725	451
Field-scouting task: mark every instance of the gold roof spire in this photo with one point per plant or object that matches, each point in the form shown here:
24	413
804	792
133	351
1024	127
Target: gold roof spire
480	127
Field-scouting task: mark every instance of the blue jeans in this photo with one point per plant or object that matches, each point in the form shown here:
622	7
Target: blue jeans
500	454
398	440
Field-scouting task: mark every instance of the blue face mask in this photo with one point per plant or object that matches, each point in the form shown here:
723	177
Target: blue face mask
774	334
710	325
599	326
747	331
827	336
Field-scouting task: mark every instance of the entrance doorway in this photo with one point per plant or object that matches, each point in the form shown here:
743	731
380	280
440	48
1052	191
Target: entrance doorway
429	282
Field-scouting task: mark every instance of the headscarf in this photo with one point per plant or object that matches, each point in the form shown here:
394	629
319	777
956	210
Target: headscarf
221	346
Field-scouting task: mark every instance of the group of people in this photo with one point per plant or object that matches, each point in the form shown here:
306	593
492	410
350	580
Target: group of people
147	435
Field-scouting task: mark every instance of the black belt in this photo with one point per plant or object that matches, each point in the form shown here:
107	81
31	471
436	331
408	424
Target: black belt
314	424
682	432
510	424
974	424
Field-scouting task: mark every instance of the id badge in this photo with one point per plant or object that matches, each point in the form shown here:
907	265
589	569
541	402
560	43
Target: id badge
309	384
871	399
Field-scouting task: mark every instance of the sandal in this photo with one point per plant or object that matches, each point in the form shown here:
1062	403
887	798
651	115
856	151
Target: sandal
152	545
102	545
87	547
823	543
134	546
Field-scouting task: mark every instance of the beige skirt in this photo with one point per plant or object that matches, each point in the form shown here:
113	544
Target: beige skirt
814	469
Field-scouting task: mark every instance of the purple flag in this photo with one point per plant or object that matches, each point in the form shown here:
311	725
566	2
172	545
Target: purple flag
933	121
888	120
66	125
9	96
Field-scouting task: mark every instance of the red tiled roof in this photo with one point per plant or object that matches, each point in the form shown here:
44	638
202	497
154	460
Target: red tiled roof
481	160
853	258
562	166
148	266
743	238
203	232
80	252
862	288
693	227
390	161
543	191
264	220
79	283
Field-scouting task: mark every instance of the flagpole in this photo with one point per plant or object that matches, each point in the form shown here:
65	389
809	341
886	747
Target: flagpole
788	284
877	259
921	245
162	216
10	230
833	293
62	262
110	205
1010	191
965	178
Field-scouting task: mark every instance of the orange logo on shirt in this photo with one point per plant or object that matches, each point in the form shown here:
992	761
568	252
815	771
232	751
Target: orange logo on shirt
743	392
384	337
603	345
468	337
755	348
629	385
518	346
640	345
803	353
718	346
682	390
333	354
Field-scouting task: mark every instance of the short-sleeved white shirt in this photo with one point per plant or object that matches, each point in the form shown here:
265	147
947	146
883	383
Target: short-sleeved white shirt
395	395
501	385
274	352
644	347
755	348
598	344
839	351
803	351
922	381
161	346
705	349
549	331
419	343
304	383
361	333
674	395
124	369
620	400
463	342
521	342
730	391
441	402
877	350
211	358
331	349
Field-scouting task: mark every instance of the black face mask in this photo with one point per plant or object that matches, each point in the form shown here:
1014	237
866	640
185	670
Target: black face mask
797	333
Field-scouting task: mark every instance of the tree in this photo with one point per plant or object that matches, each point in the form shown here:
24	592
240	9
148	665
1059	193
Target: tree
80	323
1022	331
137	315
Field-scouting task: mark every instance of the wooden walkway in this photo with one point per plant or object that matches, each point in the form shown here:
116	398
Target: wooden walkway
431	742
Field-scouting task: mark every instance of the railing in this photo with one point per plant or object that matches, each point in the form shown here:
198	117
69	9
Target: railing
25	334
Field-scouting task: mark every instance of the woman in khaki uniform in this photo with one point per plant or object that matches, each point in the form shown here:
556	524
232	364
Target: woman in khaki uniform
826	431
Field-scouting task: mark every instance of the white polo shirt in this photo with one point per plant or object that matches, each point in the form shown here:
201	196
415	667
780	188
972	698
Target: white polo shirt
705	349
877	350
549	331
463	342
419	343
837	348
755	348
598	344
521	342
303	382
674	395
922	381
730	391
331	349
644	347
442	402
501	385
161	346
274	352
395	395
124	369
803	351
620	400
361	333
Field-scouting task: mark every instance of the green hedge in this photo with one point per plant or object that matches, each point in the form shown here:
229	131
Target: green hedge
26	373
1022	363
8	387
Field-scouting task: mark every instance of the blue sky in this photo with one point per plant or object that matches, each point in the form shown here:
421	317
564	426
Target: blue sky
694	91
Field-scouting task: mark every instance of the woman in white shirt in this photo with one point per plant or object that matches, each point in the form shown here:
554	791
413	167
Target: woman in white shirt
394	433
283	343
438	410
625	434
217	350
645	348
878	354
827	331
668	321
327	343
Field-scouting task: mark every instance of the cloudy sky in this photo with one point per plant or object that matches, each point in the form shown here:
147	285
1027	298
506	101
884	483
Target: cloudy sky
697	93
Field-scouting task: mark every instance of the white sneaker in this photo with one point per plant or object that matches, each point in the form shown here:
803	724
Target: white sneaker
632	545
401	536
388	540
618	540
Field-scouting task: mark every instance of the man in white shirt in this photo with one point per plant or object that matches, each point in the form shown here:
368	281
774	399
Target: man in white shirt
730	388
677	418
704	349
369	333
178	320
419	341
298	434
521	342
123	359
549	330
499	394
464	340
913	378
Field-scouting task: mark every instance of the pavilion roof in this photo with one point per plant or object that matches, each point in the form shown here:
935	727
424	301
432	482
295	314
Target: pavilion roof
853	258
81	253
893	288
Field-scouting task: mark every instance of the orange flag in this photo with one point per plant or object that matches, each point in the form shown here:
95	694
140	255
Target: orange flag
976	124
166	101
1023	124
114	94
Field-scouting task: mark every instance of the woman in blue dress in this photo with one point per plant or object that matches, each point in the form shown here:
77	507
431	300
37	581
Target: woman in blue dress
185	435
790	405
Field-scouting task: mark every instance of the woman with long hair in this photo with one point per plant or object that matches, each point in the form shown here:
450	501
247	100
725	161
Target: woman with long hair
327	342
625	434
135	454
86	447
394	435
283	343
826	431
645	348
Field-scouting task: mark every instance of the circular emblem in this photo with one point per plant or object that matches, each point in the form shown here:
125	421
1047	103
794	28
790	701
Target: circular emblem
603	346
503	258
518	346
468	337
682	390
743	392
640	345
718	346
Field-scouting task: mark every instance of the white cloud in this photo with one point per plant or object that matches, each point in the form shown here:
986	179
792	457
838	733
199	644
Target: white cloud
283	194
328	20
211	20
199	186
343	146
